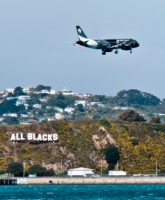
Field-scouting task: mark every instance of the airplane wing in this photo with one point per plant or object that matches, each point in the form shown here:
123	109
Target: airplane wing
125	43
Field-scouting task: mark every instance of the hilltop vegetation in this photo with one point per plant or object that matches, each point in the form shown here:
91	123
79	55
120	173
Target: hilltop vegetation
85	142
33	105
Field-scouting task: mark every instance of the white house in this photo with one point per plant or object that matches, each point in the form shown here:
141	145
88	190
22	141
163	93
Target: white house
11	90
20	102
59	116
83	102
59	109
24	97
11	98
80	171
39	106
52	91
2	91
87	95
45	92
28	90
117	173
70	110
67	92
10	115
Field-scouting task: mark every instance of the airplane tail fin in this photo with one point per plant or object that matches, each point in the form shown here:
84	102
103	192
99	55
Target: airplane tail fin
80	32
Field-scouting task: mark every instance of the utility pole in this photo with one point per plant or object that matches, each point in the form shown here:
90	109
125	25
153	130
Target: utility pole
23	168
156	168
117	167
101	168
61	166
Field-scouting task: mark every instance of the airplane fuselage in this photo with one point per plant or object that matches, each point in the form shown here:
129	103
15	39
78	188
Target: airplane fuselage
106	45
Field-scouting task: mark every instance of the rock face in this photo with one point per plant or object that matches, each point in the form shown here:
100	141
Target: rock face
103	138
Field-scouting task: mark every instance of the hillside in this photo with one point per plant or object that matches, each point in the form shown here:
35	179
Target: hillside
83	143
34	105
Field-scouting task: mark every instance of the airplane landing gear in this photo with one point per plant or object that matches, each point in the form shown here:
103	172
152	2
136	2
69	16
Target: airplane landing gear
116	52
103	53
131	51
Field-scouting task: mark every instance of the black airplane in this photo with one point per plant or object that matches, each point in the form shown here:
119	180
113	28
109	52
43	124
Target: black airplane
106	45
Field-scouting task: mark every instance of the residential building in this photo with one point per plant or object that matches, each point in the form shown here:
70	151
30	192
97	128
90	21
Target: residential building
10	90
39	106
24	97
59	116
70	110
83	102
10	115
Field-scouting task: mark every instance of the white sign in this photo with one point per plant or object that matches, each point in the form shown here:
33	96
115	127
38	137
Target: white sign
34	137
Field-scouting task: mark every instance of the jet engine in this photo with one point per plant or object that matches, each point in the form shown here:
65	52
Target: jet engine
106	47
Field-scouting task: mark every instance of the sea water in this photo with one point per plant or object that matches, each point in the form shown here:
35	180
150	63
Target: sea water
78	192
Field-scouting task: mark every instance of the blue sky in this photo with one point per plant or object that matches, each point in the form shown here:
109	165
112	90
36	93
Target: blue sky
37	36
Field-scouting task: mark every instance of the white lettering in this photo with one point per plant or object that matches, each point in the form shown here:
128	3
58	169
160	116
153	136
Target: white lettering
12	137
17	136
49	137
39	137
44	137
34	136
21	137
29	136
55	137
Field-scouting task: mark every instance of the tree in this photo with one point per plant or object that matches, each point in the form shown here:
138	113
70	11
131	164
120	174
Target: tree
155	120
112	156
37	169
18	91
8	106
15	168
131	116
11	120
80	107
42	87
105	123
132	97
50	172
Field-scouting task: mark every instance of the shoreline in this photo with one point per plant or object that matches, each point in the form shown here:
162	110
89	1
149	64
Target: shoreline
91	180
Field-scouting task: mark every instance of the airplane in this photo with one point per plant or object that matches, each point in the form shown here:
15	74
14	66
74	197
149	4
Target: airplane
106	45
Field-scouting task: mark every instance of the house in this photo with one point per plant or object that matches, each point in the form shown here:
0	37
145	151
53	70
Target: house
1	119
39	106
59	116
121	108
52	91
70	110
59	109
26	115
44	92
2	92
26	106
117	173
83	102
10	90
28	90
24	97
50	119
11	98
10	115
43	100
32	121
80	172
87	95
20	102
67	92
